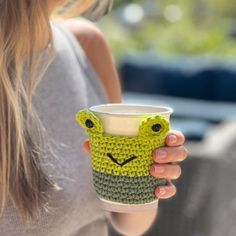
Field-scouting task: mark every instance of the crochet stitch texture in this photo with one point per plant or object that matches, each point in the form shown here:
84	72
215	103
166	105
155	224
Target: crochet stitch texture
121	165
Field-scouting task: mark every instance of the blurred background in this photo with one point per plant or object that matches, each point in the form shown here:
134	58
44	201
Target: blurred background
182	53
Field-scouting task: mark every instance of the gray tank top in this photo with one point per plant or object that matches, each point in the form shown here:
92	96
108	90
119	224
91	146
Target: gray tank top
70	84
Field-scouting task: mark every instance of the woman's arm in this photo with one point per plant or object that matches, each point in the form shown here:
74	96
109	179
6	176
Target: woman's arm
97	50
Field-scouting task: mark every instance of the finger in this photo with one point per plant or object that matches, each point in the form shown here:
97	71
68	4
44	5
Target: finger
166	171
86	146
170	154
175	138
165	192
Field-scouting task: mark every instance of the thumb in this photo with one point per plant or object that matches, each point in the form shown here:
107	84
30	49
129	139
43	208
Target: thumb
86	146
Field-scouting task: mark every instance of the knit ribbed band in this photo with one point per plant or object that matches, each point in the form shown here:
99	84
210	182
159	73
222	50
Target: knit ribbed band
121	165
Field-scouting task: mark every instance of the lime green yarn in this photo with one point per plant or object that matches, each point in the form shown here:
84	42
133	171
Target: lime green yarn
85	115
123	148
145	128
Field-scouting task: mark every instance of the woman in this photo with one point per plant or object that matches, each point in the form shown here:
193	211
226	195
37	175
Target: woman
45	78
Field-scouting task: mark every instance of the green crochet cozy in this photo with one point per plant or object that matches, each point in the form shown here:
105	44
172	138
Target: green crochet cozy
121	165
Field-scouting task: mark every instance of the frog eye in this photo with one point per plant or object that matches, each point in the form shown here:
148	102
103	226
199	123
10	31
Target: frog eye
89	124
89	121
154	126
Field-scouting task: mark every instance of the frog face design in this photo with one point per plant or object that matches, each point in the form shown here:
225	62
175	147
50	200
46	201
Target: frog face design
120	158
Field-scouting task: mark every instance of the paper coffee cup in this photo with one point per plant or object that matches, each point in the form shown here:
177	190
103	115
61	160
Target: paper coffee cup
122	139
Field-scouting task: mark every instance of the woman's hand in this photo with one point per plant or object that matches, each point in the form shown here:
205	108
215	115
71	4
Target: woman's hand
166	162
165	166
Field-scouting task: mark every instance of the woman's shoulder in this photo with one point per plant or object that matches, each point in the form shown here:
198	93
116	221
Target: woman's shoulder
94	46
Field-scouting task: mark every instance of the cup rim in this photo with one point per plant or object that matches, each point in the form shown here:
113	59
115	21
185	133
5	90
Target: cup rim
166	110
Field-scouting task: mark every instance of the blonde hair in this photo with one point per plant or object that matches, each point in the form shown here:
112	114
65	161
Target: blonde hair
24	25
25	33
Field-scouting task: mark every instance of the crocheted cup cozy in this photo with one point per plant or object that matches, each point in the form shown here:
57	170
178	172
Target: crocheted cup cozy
121	165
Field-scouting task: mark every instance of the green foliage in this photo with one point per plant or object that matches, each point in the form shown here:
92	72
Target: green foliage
206	27
118	3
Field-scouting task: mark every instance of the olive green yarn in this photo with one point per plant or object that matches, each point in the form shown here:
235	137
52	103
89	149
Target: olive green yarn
128	190
121	165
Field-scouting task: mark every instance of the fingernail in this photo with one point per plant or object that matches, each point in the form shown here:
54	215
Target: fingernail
161	154
159	169
161	191
172	139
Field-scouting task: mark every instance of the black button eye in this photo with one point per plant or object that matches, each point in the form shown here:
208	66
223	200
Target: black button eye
156	127
89	124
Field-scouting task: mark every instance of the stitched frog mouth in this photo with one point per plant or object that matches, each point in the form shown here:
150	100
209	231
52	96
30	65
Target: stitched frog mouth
122	163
